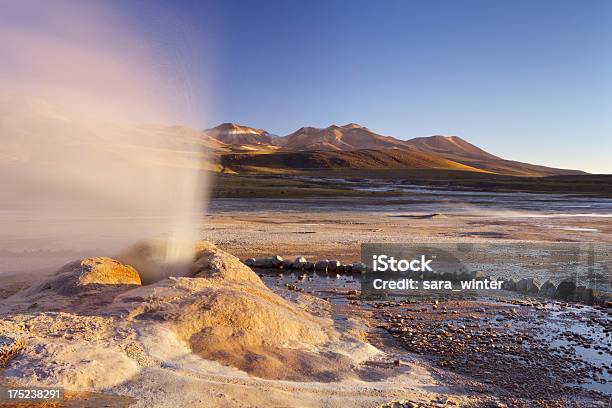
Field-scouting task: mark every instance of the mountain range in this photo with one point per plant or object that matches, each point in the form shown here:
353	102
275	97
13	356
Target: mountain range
36	134
352	146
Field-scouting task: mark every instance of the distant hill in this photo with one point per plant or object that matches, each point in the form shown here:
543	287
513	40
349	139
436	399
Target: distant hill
354	146
334	159
340	138
456	149
233	134
451	147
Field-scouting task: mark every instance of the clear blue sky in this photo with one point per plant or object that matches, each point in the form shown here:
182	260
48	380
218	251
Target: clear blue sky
526	80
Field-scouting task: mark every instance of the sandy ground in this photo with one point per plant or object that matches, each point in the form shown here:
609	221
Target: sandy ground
339	234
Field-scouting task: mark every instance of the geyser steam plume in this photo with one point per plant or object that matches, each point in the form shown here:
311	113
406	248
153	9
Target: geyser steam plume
81	174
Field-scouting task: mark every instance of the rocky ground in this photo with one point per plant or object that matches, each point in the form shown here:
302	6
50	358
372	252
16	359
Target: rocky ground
509	350
219	337
542	369
503	349
163	343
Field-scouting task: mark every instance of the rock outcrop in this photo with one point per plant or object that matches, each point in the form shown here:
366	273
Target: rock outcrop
212	263
221	311
86	274
9	346
226	313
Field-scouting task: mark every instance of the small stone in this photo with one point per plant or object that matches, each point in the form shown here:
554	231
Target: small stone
358	267
276	261
565	290
299	263
528	285
477	275
548	289
333	265
509	284
262	263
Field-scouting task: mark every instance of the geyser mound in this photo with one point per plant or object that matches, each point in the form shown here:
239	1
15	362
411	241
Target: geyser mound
227	314
223	312
161	258
85	275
